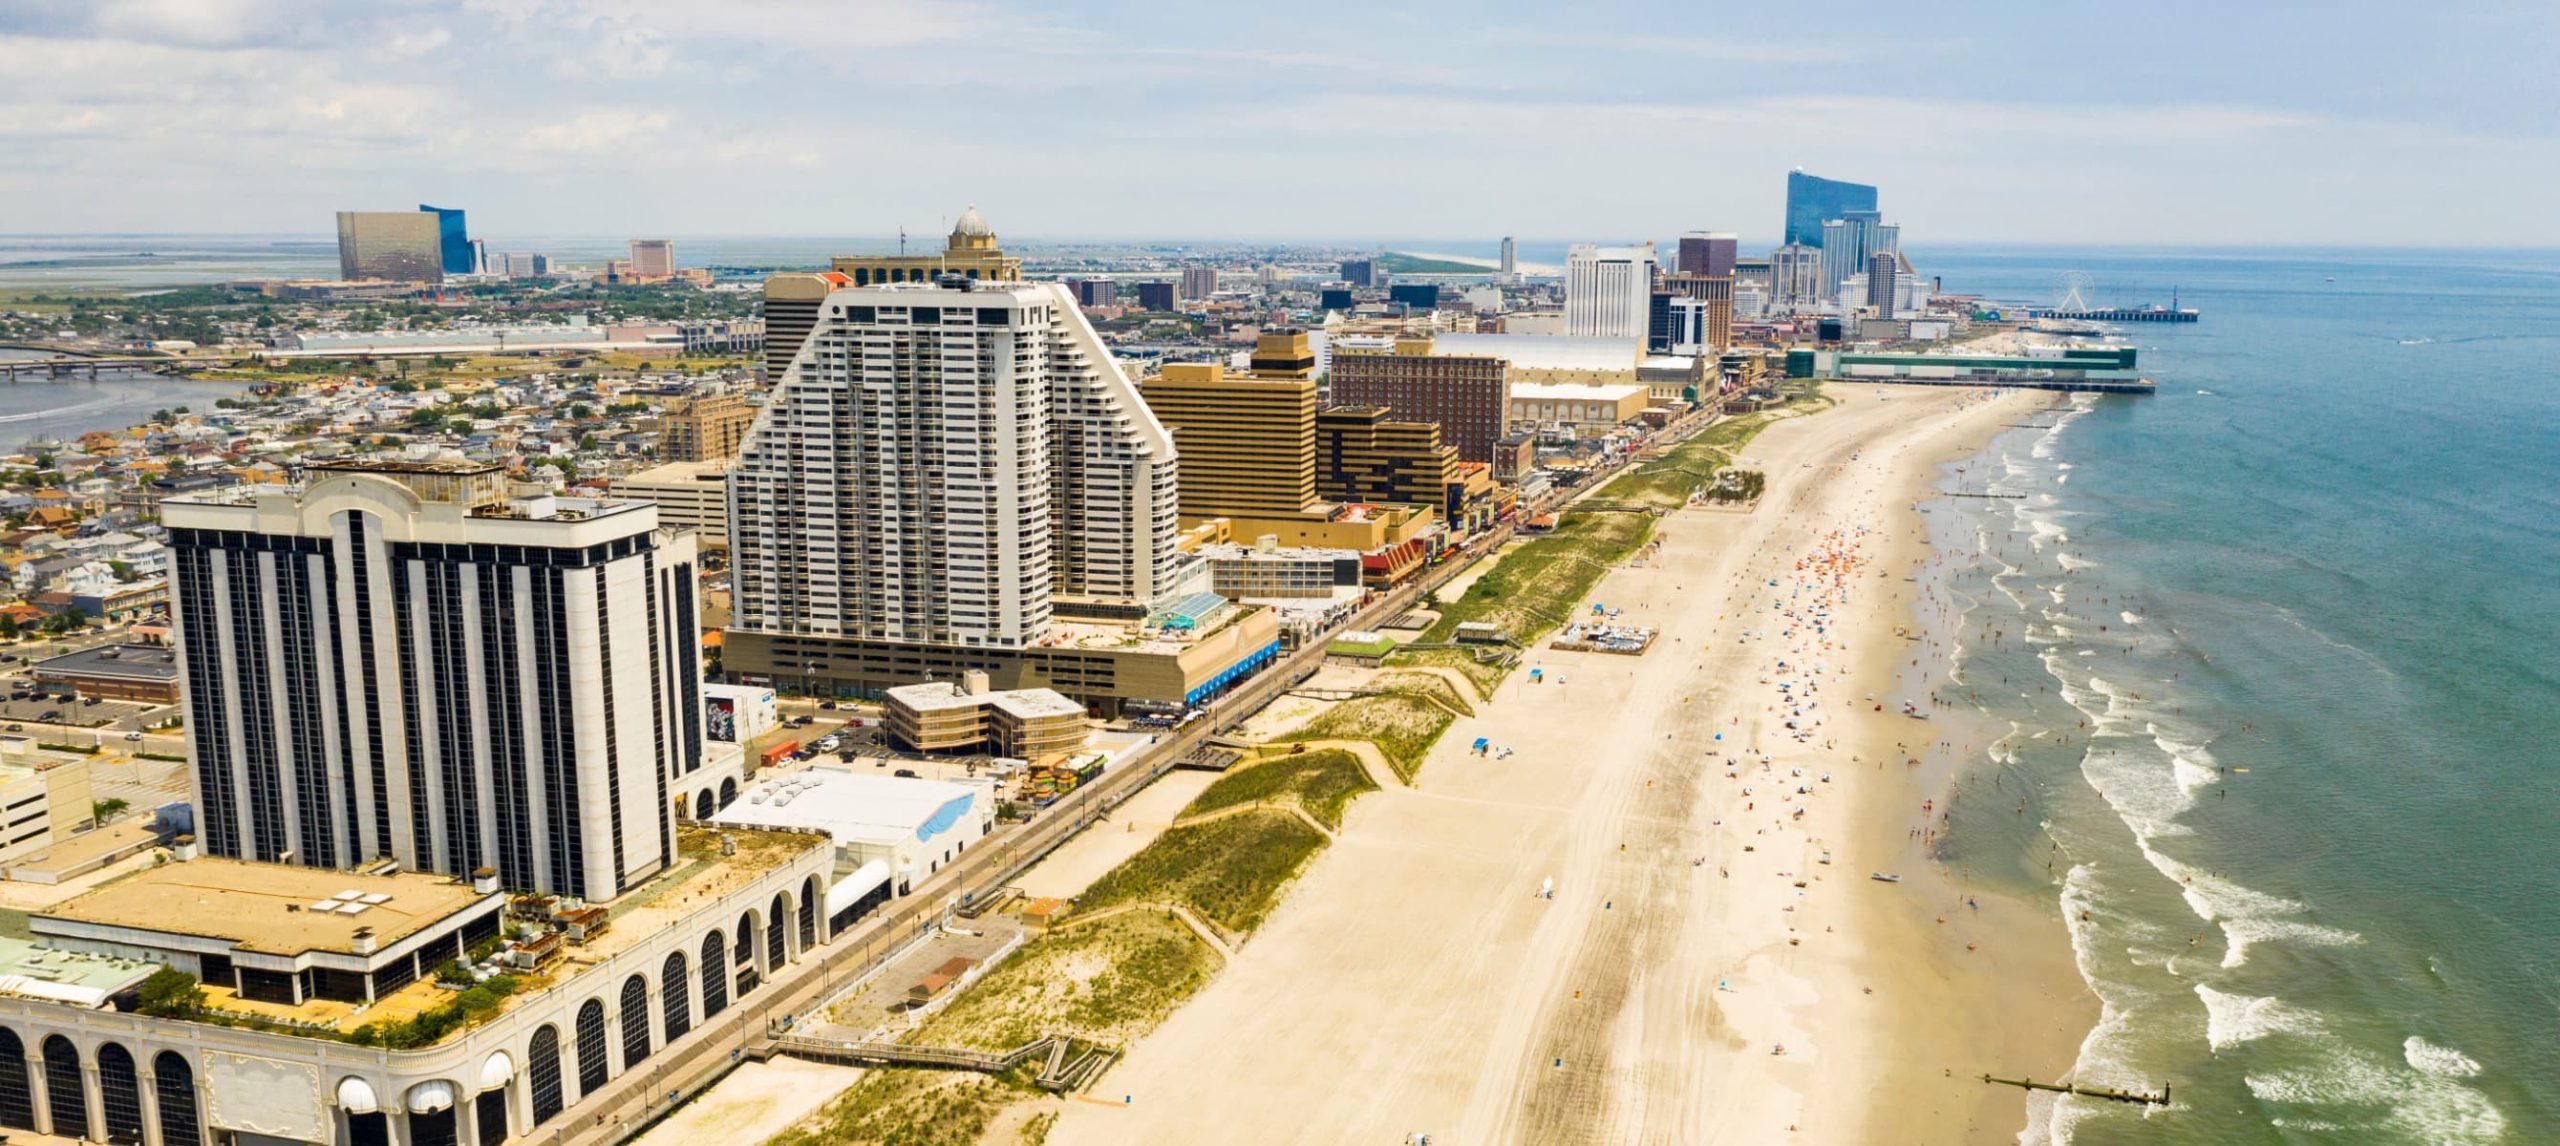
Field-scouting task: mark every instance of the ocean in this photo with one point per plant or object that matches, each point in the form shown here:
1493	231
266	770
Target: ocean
2270	659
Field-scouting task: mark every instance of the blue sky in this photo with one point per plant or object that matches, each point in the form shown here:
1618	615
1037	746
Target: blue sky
2238	123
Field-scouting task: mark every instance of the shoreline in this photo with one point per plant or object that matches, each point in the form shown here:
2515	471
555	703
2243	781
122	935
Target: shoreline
1414	980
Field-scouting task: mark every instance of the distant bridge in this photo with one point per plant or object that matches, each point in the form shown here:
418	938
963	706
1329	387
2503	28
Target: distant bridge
69	369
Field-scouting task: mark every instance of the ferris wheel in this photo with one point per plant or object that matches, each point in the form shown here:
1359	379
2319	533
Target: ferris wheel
2076	286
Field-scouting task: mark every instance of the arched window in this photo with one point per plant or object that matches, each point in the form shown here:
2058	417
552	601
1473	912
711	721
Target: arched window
678	994
745	954
17	1102
715	975
119	1094
635	1021
592	1065
64	1090
810	894
174	1078
777	935
542	1066
702	805
728	792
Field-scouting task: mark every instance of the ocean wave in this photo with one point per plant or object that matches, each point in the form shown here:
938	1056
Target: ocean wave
2365	1095
2232	1019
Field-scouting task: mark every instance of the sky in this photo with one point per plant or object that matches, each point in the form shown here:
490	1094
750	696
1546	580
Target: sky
2242	123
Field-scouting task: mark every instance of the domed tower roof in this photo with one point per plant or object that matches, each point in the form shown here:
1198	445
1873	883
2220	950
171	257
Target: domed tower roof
972	224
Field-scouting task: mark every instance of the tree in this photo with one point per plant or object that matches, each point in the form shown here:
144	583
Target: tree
124	571
105	810
172	994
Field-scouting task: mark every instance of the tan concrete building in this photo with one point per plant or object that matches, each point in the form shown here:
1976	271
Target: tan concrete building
1581	409
791	304
689	495
971	253
1026	724
653	259
791	301
707	428
1364	454
1248	443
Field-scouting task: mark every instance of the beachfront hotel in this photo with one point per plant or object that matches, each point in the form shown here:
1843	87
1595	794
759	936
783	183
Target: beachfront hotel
955	476
397	662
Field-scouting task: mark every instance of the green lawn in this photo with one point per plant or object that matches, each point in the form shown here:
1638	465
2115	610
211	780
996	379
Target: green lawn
1377	648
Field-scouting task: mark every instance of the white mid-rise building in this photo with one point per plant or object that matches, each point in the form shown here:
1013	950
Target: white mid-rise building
946	465
398	661
1608	291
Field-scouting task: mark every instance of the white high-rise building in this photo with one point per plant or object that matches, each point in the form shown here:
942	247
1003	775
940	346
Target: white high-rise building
1795	277
945	465
1608	291
1510	255
397	661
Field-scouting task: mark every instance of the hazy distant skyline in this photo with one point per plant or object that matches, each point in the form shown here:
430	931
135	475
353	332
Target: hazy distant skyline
2347	123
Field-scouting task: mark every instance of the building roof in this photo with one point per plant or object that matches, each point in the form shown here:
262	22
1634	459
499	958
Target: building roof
153	663
29	971
1542	392
937	696
271	908
971	223
1546	351
854	807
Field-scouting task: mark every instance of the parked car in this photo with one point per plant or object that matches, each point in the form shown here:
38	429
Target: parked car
827	704
909	773
88	700
49	714
133	736
17	728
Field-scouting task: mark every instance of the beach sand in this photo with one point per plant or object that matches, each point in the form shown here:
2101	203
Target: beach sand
1415	981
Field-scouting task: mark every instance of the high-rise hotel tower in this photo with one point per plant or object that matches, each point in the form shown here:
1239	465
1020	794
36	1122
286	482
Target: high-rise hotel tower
945	474
396	661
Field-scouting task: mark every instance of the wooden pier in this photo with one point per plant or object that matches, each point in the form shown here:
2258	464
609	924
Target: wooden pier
2132	1096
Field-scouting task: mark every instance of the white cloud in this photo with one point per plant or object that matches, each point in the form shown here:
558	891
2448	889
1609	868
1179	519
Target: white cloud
596	132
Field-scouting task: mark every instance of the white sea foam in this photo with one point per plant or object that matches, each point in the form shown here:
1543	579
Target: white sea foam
2131	618
2438	1060
2406	1103
2232	1019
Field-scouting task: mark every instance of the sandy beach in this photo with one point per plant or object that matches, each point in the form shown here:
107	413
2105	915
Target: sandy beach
1699	974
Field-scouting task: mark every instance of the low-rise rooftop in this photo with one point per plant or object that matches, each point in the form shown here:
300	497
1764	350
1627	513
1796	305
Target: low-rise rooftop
29	971
278	909
152	663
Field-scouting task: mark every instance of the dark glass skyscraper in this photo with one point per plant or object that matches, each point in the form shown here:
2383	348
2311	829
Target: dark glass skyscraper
455	244
1812	199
